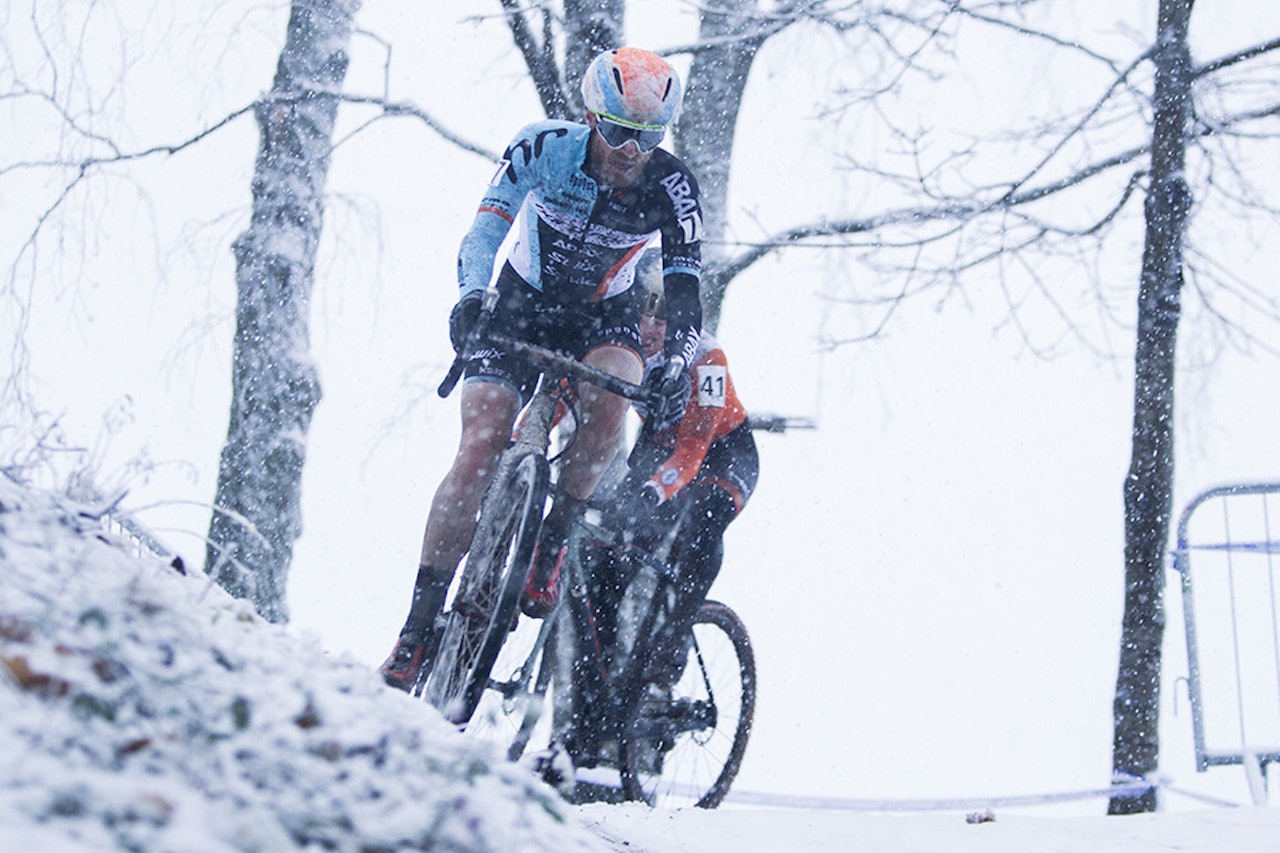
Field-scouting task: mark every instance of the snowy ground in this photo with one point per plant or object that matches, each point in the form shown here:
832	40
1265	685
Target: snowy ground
1236	831
144	710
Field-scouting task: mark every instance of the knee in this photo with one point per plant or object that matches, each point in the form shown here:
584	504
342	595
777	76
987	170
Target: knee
603	417
713	509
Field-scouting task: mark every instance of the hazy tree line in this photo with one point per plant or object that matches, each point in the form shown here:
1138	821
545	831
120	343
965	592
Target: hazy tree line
1164	140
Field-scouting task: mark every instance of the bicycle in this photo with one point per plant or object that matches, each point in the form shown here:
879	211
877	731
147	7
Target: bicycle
594	695
483	620
484	607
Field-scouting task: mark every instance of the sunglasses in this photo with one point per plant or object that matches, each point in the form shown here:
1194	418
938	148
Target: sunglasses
617	133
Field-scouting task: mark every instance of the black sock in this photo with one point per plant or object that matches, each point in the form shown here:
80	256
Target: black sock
564	512
429	591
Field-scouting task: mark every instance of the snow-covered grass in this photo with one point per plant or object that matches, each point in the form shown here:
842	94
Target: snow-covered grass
142	709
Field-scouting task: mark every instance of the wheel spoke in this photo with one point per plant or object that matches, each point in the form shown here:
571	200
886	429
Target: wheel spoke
688	753
485	608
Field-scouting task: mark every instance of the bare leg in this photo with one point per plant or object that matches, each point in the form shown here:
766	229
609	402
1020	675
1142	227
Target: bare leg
593	449
600	432
488	413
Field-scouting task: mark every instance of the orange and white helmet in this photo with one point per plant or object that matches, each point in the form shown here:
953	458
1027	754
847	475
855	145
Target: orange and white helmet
633	87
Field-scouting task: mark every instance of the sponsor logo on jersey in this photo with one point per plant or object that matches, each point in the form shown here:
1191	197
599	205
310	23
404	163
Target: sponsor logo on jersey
528	149
685	205
680	192
501	170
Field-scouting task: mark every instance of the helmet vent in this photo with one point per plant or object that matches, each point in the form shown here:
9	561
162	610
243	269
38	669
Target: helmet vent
633	85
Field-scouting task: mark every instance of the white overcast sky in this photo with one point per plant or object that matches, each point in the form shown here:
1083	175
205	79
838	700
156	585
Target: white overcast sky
933	579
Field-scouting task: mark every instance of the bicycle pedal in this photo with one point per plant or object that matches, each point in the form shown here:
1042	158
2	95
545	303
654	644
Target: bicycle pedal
555	768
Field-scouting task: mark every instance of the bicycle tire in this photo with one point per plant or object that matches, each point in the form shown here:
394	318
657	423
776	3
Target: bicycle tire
485	607
708	723
512	714
534	712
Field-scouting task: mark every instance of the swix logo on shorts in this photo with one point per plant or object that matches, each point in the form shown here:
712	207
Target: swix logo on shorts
611	331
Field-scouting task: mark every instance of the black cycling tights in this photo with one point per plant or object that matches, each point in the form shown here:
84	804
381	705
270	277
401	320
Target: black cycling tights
698	552
702	511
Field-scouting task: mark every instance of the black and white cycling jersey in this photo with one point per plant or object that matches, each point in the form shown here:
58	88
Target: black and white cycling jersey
578	241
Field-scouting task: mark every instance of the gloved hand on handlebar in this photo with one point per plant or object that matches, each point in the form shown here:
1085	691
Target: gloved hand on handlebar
667	394
462	319
644	503
632	509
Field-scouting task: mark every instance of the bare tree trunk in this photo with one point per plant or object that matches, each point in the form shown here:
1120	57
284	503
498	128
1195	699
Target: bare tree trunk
730	34
275	389
590	28
1148	488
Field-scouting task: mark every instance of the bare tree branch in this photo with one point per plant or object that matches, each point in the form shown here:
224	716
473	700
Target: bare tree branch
539	58
969	207
393	109
1236	57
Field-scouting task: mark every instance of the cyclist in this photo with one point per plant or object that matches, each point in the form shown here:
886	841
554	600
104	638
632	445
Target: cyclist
583	200
685	482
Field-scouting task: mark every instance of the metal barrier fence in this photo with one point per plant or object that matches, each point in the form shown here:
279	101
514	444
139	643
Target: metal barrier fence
1232	619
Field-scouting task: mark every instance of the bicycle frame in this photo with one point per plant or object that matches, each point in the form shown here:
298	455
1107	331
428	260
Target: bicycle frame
480	622
472	631
616	677
613	678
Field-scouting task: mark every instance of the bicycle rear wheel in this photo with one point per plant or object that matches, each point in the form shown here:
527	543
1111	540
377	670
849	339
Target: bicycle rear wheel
687	750
485	607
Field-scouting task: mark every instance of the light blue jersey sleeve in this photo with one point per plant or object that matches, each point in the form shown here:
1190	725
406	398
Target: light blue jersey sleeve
523	168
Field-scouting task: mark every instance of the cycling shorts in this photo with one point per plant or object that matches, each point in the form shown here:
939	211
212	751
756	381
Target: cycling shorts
574	328
731	464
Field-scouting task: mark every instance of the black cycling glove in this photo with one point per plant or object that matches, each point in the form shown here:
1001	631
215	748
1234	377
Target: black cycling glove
666	396
631	510
462	319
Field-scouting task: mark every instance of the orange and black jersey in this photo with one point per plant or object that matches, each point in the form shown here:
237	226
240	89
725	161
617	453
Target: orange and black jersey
714	423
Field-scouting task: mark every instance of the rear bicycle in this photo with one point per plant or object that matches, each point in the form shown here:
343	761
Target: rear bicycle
485	607
533	708
684	747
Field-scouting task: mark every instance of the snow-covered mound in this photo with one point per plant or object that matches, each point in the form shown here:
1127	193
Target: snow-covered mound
144	709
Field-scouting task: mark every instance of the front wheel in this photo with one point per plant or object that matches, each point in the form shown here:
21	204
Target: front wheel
686	749
485	607
513	713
